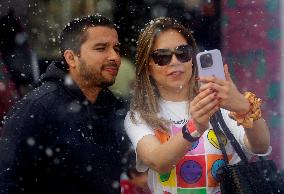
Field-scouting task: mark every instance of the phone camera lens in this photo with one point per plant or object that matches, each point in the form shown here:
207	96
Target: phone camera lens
206	60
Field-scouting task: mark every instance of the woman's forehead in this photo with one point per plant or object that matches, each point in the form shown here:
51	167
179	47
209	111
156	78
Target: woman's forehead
169	39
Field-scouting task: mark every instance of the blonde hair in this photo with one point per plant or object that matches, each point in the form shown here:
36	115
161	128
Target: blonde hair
146	94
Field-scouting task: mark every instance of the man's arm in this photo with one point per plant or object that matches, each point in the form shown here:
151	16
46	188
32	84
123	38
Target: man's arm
18	146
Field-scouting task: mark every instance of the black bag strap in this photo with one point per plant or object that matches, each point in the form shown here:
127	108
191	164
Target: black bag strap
230	136
217	131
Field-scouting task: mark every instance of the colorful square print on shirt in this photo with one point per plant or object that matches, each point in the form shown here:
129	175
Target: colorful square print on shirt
196	148
214	162
214	145
191	172
192	191
168	179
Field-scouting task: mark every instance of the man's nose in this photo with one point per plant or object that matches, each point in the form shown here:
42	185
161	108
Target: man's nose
114	55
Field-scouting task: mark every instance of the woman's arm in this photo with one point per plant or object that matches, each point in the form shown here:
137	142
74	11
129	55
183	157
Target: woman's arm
257	138
163	157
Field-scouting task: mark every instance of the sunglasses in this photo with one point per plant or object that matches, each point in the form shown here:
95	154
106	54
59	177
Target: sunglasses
163	57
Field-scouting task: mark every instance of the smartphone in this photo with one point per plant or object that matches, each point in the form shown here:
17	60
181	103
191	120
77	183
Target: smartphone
210	63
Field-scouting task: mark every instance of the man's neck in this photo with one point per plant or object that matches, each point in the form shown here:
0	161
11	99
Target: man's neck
90	91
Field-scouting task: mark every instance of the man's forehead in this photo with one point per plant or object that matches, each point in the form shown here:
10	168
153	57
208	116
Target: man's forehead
103	34
102	29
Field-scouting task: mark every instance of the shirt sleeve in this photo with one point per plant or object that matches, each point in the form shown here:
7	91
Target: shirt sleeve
136	131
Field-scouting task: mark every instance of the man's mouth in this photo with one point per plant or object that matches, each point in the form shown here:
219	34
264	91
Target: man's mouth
111	69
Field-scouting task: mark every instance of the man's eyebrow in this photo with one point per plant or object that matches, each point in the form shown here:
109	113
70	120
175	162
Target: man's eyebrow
105	44
100	44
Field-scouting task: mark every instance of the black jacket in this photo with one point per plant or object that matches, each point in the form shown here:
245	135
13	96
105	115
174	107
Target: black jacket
56	141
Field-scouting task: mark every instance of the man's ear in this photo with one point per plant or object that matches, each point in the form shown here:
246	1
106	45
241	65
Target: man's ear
70	58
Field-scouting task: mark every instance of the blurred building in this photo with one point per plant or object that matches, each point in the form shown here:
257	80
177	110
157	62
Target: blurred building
251	46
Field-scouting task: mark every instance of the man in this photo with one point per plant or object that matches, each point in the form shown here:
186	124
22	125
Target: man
64	137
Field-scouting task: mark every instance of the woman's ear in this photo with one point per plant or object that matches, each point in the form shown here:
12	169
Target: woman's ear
70	58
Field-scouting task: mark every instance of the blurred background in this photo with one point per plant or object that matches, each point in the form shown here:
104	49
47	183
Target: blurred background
248	32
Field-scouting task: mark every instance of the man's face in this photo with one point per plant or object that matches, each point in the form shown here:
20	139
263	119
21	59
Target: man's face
99	60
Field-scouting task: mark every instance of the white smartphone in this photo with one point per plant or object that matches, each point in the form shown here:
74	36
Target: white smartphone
210	63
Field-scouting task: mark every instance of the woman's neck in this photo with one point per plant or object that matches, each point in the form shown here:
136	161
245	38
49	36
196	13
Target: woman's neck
175	94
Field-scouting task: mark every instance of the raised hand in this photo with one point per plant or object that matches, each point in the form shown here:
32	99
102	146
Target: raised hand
202	107
226	91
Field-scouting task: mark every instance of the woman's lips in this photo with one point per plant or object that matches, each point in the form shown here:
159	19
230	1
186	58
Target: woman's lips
175	73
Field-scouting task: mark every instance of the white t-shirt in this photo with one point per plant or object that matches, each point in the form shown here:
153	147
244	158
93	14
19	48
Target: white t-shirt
196	172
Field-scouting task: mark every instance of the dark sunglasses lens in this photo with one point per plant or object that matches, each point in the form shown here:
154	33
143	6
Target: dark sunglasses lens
162	57
183	53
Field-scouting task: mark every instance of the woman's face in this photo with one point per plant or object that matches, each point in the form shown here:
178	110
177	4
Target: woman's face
176	74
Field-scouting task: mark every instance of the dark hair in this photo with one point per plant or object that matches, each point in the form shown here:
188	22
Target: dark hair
74	33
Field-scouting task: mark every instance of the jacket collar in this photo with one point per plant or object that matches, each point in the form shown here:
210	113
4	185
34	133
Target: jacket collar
55	74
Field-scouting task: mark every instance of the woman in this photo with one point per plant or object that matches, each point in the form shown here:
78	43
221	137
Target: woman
168	122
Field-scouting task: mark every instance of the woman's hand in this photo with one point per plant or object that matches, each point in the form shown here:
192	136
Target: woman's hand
202	107
227	93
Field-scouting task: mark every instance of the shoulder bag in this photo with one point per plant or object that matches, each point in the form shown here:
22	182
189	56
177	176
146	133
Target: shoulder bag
260	177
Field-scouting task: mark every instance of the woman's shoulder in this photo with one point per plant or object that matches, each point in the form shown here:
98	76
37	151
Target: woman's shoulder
133	118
